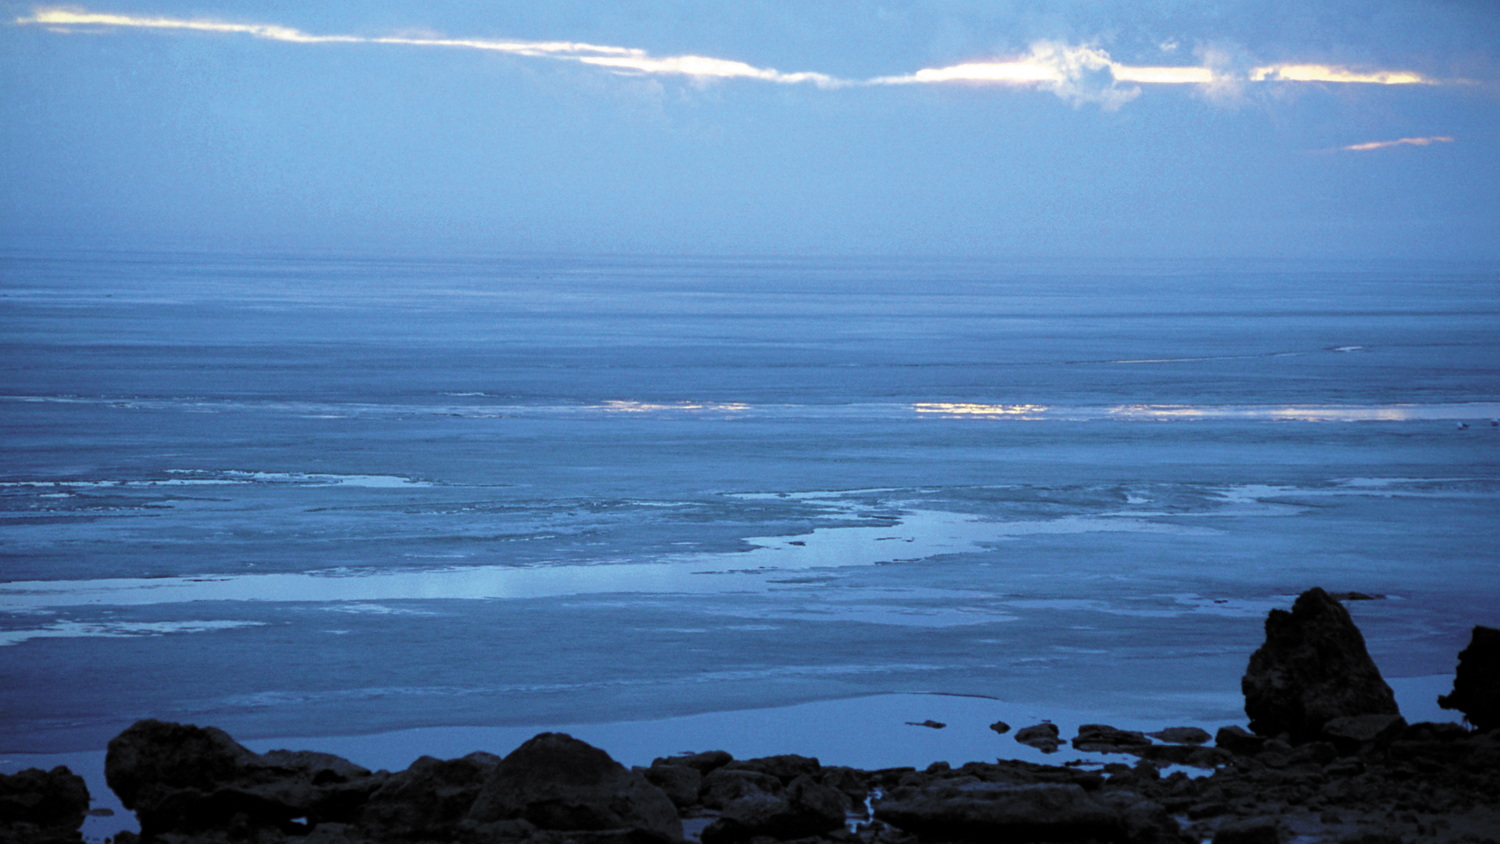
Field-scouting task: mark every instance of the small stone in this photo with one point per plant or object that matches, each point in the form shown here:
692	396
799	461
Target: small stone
1043	737
1182	735
1102	737
1000	727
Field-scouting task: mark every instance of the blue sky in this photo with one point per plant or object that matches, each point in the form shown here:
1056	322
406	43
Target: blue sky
1152	129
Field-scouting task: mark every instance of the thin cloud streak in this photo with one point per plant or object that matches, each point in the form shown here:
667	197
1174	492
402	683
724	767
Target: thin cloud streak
1337	74
618	59
1076	73
1415	142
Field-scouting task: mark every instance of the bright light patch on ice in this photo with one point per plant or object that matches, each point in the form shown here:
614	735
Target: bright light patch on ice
918	535
199	477
117	629
977	409
649	407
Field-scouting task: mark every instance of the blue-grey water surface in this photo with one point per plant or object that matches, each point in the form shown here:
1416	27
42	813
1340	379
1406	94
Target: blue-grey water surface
342	495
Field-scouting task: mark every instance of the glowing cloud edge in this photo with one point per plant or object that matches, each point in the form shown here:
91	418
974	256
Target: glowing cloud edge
1053	66
1415	142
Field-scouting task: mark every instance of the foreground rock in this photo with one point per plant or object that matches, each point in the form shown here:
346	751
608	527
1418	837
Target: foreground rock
1419	783
180	778
992	811
1312	669
1328	761
805	809
1044	737
429	800
42	807
556	782
1476	688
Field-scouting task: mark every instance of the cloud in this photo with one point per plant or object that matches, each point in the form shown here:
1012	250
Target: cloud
1336	74
1415	142
1078	73
617	59
704	67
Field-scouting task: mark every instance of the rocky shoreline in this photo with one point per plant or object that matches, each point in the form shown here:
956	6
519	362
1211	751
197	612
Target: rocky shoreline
1327	757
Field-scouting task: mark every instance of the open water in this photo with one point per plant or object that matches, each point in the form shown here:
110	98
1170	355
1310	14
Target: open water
351	495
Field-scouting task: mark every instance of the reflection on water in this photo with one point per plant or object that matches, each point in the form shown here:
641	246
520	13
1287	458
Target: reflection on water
918	535
1310	413
710	410
1180	412
648	407
1156	411
1021	411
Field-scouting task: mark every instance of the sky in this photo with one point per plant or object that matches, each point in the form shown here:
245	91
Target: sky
1157	129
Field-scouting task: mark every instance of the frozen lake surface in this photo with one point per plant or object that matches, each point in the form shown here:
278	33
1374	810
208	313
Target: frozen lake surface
357	497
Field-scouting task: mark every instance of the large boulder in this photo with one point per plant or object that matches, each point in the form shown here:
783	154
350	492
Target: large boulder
1312	668
429	800
42	806
184	778
681	783
807	808
704	763
557	782
999	812
1476	685
785	768
726	785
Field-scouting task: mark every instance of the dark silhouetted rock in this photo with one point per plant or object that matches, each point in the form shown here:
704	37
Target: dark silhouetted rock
42	806
1000	727
1314	753
1428	731
853	784
557	782
1181	754
152	759
704	763
1312	668
1101	737
1182	735
786	767
1351	733
807	808
1044	737
680	783
991	811
727	785
430	799
1144	821
1476	685
1249	831
183	778
1239	741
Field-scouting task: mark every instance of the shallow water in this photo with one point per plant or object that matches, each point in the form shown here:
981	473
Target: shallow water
354	496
